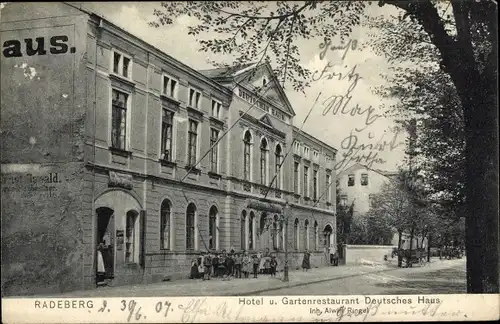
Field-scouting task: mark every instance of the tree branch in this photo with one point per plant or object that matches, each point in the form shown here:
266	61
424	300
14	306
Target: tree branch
284	16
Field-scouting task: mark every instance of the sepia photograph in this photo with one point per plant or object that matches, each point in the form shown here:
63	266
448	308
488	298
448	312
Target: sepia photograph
333	153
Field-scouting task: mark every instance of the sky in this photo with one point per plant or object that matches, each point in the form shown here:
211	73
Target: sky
335	129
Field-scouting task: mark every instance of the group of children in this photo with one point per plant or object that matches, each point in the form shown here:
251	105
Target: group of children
237	265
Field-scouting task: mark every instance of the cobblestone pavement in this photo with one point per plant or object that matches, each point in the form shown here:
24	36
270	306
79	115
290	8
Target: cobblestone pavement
327	280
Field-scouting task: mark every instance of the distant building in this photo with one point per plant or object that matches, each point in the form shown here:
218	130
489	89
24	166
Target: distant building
101	138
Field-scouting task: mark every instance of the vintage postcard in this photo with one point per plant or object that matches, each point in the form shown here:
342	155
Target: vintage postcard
233	161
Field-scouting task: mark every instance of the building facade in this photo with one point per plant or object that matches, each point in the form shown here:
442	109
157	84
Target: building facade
106	139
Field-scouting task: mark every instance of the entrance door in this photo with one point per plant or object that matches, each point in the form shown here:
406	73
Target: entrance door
105	240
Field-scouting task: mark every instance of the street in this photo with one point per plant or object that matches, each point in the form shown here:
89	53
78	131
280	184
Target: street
417	280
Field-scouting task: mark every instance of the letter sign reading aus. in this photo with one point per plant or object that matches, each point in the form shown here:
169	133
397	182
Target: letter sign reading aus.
38	81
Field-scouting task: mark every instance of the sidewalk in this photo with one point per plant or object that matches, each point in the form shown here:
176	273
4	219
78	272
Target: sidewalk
250	286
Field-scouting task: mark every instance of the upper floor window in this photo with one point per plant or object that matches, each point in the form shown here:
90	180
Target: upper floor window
119	119
296	177
263	161
328	187
306	152
306	181
214	152
315	184
315	155
170	86
166	135
247	142
194	98
216	108
350	180
122	65
278	166
264	81
192	142
343	200
364	179
371	200
296	148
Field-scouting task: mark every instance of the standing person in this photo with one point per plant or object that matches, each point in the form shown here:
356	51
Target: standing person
306	261
331	254
229	265
247	264
335	257
215	265
207	264
256	263
273	264
237	265
101	270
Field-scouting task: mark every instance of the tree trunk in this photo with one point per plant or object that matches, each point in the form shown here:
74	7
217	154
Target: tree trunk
429	248
400	259
409	261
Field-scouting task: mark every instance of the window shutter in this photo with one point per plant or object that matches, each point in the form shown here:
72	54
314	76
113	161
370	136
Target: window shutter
142	257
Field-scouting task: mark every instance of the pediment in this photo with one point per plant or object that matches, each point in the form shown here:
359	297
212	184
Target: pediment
265	119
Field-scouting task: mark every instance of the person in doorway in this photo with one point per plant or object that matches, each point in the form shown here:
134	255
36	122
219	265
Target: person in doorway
101	270
273	264
256	263
247	264
306	260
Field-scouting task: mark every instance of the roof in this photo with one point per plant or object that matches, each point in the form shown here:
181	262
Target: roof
381	172
311	137
225	71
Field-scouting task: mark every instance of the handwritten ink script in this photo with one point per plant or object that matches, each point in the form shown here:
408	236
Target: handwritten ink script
342	103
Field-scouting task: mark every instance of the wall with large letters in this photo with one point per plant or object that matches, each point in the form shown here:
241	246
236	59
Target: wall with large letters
45	200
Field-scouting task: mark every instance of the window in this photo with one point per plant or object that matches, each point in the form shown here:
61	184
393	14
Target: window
264	82
350	180
213	229
122	65
316	236
119	119
243	230
247	140
328	188
214	152
364	179
263	161
275	233
306	181
306	225
190	226
216	108
165	225
250	231
166	135
296	148
194	99
371	200
296	232
278	166
343	200
306	152
193	141
169	87
315	184
296	177
130	236
316	156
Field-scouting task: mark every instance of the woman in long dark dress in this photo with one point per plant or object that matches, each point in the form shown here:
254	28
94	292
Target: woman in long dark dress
306	261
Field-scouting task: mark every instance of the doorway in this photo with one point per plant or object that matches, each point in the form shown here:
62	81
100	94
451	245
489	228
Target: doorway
105	245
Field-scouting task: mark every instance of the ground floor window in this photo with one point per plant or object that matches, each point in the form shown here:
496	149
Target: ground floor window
190	227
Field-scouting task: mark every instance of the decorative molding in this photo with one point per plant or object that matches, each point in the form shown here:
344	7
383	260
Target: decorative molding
216	122
121	180
195	113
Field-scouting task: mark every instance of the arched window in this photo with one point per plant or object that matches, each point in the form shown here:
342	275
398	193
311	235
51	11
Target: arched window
165	225
243	230
263	161
247	142
276	240
316	236
306	226
277	166
213	236
251	231
296	233
190	227
262	223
